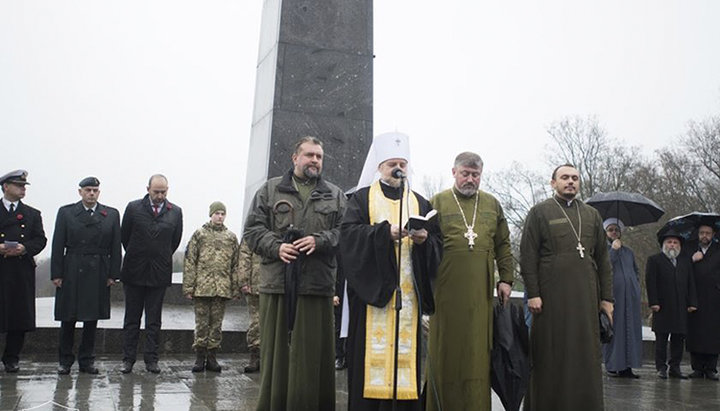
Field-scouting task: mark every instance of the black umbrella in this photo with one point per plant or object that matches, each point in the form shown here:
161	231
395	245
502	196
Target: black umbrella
292	278
687	225
509	357
630	208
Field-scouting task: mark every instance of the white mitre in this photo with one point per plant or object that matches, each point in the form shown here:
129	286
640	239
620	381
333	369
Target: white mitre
384	147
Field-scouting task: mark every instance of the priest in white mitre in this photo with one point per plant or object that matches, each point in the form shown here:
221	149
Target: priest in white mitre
372	239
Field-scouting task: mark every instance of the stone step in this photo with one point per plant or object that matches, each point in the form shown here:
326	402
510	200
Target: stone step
178	325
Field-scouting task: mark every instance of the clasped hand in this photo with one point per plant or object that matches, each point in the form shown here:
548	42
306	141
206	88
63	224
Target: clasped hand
290	251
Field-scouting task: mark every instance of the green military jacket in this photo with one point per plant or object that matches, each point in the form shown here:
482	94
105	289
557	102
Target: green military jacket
277	205
211	263
249	268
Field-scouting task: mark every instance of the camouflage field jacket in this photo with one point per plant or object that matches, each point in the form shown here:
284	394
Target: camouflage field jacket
211	263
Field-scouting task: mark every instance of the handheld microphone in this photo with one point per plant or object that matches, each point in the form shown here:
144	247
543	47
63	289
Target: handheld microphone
398	173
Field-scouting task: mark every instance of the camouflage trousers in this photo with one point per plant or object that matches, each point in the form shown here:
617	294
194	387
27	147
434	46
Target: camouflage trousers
253	332
209	313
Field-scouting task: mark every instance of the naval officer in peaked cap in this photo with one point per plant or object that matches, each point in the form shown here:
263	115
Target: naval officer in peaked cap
21	238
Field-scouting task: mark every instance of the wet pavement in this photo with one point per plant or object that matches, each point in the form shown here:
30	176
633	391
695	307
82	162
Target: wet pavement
37	386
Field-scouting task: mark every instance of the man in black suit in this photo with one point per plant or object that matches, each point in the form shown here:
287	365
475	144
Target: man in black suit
703	341
85	263
671	296
151	232
21	238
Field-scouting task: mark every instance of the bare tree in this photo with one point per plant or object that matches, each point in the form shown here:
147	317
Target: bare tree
583	143
432	185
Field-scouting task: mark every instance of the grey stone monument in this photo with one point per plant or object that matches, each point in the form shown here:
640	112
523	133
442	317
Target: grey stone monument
314	77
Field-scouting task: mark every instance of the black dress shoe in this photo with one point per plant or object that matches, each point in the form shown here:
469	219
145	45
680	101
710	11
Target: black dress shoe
677	374
152	367
12	367
697	375
710	375
662	374
89	369
63	369
127	367
340	364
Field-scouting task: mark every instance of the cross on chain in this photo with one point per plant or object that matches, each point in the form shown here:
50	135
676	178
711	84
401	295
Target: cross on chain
580	249
471	236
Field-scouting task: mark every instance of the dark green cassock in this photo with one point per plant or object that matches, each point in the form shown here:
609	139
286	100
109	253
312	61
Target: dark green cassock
461	328
565	338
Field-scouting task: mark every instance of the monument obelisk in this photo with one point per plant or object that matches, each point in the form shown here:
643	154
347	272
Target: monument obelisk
314	77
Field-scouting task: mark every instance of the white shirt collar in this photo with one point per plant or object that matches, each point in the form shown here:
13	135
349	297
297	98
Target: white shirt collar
7	203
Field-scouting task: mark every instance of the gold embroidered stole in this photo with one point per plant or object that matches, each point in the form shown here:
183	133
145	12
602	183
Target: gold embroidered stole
380	323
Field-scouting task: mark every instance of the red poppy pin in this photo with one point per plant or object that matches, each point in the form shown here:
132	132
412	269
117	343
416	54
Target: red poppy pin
169	206
104	213
19	216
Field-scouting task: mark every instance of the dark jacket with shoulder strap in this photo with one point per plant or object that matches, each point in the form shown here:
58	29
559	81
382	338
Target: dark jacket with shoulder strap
269	218
17	274
85	254
149	243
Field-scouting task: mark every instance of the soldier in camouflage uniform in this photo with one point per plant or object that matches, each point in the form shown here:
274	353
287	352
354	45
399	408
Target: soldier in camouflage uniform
249	269
210	279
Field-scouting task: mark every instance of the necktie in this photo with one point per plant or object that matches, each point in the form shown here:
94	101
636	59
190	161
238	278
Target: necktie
90	211
674	261
155	210
12	208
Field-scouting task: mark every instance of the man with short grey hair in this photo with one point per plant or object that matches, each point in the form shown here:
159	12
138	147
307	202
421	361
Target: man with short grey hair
475	238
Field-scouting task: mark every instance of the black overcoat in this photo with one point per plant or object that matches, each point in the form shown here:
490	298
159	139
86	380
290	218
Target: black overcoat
85	254
17	274
704	324
149	243
673	289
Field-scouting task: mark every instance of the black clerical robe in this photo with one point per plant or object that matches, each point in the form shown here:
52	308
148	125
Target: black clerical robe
369	262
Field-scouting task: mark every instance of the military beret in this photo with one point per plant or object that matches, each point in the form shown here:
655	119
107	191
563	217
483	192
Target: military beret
16	177
89	182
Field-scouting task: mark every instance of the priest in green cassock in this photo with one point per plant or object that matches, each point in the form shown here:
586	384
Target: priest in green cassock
475	238
564	262
372	237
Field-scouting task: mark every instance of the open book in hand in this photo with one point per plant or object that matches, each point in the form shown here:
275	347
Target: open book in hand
418	222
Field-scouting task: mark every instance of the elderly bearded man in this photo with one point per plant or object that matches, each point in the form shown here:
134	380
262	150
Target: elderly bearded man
475	237
671	296
564	262
703	339
297	373
371	236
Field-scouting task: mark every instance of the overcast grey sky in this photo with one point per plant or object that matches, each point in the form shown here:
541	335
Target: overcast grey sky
122	90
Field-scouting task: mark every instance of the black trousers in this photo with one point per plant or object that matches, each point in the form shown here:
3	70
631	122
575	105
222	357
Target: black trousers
704	362
14	341
137	300
677	342
86	352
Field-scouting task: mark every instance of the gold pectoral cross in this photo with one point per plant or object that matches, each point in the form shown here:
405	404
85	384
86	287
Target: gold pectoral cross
471	236
581	249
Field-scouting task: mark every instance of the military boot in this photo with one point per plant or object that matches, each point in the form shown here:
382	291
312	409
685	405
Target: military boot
254	364
199	360
212	364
